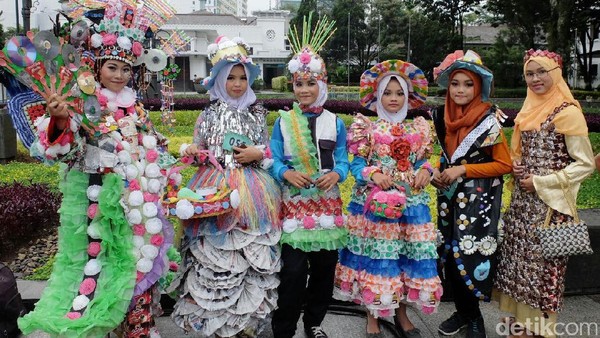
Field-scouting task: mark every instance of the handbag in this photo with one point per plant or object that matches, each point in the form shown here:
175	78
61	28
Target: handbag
566	238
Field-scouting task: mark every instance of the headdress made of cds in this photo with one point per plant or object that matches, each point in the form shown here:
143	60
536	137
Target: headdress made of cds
224	51
306	62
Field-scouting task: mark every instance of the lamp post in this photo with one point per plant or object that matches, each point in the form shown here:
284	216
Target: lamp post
408	44
26	11
17	14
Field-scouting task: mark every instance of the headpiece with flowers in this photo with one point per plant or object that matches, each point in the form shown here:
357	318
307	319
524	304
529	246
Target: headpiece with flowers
543	53
225	51
469	61
306	62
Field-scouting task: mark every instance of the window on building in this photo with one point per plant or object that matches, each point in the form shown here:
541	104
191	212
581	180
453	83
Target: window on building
287	44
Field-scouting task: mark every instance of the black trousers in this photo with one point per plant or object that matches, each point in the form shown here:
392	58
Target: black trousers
467	305
294	290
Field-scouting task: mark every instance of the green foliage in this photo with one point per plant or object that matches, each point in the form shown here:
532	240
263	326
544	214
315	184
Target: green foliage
279	83
258	84
44	271
30	173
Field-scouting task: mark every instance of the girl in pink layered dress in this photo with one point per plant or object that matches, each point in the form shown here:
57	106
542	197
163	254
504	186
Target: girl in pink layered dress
391	254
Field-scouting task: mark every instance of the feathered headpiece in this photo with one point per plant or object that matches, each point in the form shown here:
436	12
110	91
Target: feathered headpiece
306	61
225	51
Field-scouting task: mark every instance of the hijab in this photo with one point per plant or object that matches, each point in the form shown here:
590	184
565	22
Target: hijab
393	117
460	120
219	90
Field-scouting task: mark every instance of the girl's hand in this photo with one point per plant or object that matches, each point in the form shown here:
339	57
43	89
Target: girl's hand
298	179
58	109
421	179
191	150
247	154
383	181
436	181
518	169
327	181
526	183
449	175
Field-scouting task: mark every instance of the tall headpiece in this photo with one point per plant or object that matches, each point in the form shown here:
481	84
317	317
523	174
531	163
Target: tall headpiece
306	61
469	61
225	51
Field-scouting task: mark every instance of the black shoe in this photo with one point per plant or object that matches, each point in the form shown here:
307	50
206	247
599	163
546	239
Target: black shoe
315	332
452	325
476	329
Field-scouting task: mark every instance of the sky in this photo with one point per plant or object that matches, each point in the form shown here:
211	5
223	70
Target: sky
255	5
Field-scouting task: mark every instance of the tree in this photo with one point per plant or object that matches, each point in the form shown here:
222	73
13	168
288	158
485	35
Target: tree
306	7
449	11
363	47
525	18
586	21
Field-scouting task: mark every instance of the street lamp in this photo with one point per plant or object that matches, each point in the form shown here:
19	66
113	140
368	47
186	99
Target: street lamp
408	44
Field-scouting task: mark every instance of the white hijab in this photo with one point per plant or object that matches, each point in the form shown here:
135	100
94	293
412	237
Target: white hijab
393	117
219	89
323	94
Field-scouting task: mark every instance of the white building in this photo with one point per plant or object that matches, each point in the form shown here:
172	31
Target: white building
265	32
577	81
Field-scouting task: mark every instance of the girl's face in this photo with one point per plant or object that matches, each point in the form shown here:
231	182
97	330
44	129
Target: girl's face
393	97
461	89
237	82
114	75
538	78
306	91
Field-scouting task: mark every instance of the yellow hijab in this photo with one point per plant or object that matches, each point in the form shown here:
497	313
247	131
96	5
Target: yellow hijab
536	107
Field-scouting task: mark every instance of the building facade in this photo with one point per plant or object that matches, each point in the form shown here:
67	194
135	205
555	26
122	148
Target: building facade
265	33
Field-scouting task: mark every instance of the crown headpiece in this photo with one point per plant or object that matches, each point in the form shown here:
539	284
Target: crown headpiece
544	53
306	61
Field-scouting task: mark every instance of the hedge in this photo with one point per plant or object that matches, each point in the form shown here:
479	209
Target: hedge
279	83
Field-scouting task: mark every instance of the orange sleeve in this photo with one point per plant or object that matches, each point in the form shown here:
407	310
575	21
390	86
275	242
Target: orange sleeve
501	165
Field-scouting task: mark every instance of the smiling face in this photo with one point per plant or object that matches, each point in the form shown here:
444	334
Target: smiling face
114	75
237	82
538	78
393	96
461	89
306	91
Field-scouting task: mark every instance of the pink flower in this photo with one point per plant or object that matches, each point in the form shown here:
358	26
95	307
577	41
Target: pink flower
137	48
151	155
353	148
148	197
305	58
173	266
187	159
109	39
389	212
383	150
387	139
92	210
134	184
87	286
119	146
384	313
438	293
157	240
309	222
339	221
381	197
428	309
139	276
73	315
268	153
94	249
102	100
368	296
345	286
119	114
139	229
413	295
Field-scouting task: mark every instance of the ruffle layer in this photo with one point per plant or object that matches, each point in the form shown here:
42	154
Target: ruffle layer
316	240
425	268
260	200
391	249
360	226
115	284
381	295
226	292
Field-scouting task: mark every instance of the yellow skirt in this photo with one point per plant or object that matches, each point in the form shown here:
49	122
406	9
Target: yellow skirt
530	318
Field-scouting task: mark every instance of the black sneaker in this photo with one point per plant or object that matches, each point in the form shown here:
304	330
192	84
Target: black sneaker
452	325
315	332
476	329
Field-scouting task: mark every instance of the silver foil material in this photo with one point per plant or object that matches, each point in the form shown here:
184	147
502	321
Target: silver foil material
219	118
